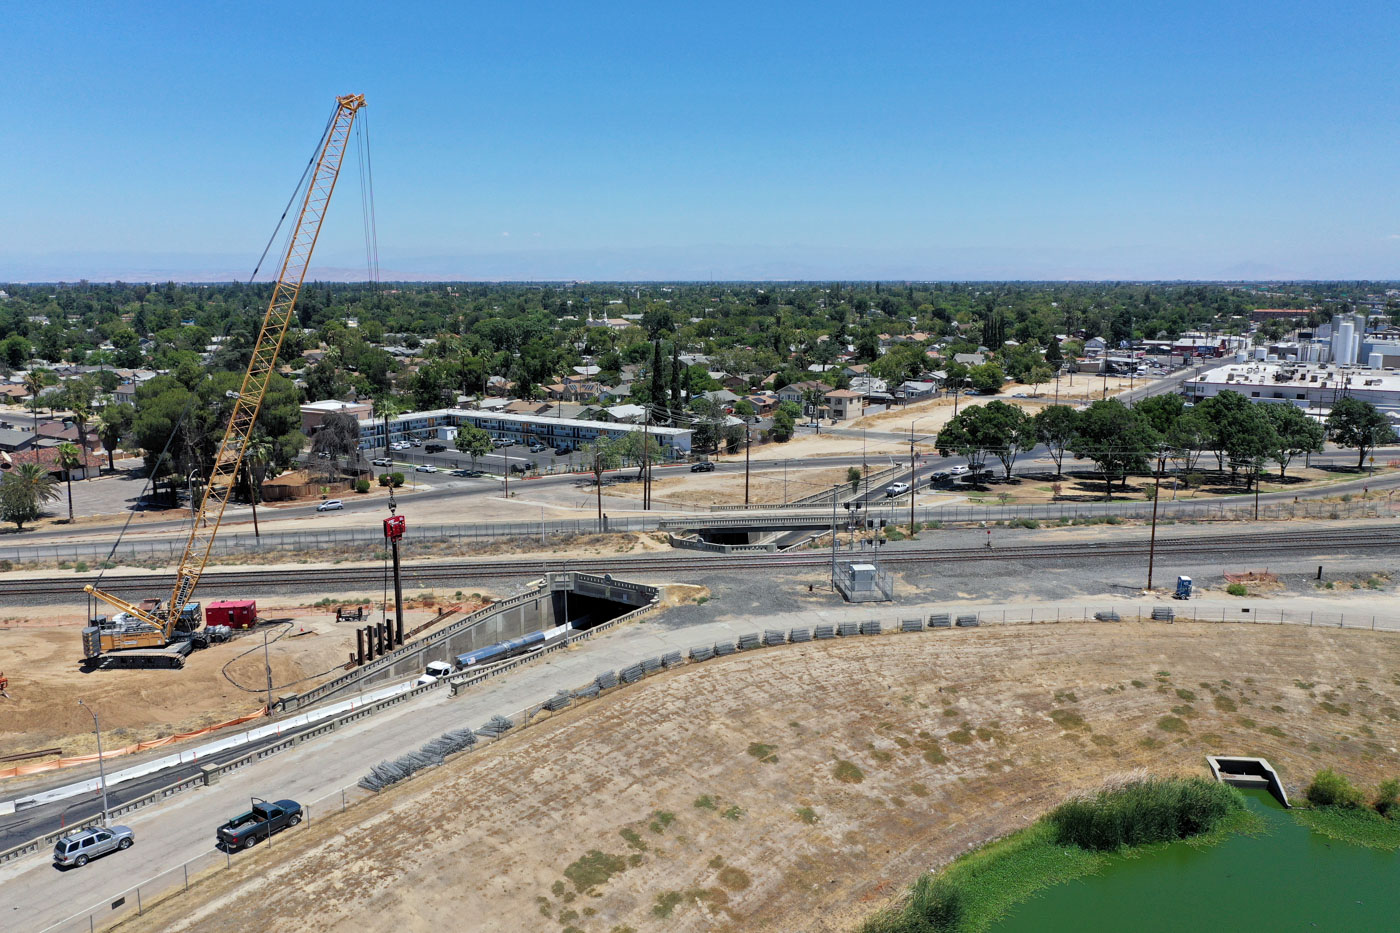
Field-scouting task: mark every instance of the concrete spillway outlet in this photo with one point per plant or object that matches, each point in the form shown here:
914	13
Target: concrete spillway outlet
1248	772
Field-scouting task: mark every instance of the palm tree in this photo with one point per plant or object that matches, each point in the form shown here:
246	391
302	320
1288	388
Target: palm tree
387	407
68	458
34	383
257	454
111	424
81	407
23	492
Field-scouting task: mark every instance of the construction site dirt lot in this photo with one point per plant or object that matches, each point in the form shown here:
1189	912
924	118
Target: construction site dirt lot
803	787
42	655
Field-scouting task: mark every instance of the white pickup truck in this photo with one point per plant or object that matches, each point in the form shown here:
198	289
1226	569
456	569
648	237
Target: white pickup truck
435	671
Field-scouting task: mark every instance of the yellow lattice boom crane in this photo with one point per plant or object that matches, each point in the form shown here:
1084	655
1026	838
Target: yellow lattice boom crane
143	636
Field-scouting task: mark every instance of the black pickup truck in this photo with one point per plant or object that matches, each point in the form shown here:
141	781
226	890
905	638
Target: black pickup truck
248	829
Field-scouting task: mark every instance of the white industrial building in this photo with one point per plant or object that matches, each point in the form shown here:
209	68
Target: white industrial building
1314	387
573	433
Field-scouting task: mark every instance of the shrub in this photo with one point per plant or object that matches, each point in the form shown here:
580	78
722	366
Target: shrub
1386	797
937	903
1143	812
1330	789
1237	589
362	486
384	479
396	479
81	566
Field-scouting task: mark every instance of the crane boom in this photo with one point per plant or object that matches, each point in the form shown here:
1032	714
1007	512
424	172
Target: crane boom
160	624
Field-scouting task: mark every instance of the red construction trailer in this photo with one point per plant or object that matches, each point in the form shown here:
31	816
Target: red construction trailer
235	613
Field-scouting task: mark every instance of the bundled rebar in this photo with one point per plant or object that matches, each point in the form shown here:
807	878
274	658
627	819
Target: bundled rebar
911	625
939	620
495	727
588	692
723	648
672	659
774	636
871	627
702	652
824	631
606	680
632	674
967	621
848	628
651	665
557	702
749	641
1107	616
800	635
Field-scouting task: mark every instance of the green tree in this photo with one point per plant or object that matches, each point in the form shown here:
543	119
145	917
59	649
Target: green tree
472	441
257	454
1002	430
1161	411
988	378
69	458
1240	434
15	351
784	425
1039	375
35	381
1116	438
23	493
337	438
113	423
1055	427
387	408
79	402
1354	423
1294	433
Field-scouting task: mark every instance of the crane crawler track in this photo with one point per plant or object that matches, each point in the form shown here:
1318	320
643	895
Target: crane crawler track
1240	546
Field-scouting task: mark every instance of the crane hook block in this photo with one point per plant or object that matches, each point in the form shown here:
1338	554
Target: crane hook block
394	527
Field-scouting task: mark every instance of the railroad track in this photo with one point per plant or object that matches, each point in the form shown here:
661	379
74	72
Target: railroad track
1241	545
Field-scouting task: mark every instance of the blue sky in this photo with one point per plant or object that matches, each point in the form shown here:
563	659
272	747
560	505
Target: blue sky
714	140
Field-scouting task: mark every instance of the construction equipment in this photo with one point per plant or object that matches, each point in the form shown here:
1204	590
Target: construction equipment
149	638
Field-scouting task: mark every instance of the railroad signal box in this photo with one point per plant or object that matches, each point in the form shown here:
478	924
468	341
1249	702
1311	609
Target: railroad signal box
235	613
394	527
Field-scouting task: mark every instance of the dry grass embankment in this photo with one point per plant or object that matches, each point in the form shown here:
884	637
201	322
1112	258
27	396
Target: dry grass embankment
802	788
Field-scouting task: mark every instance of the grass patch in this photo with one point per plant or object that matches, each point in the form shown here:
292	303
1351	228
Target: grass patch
1225	704
734	813
736	879
1188	695
961	736
978	889
807	815
594	869
705	802
1362	827
1172	724
1237	589
1067	719
847	773
633	839
768	754
660	820
665	904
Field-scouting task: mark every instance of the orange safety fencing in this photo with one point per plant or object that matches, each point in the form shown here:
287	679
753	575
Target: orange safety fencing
38	767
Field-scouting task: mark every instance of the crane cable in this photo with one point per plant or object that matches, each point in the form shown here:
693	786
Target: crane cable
367	212
306	173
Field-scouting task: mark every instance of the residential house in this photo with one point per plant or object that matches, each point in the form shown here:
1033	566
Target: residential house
797	391
845	404
314	414
622	414
1095	346
970	359
526	407
914	390
763	405
13	441
867	385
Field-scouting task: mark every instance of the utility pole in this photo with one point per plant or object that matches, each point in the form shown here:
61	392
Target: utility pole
833	540
646	459
598	483
748	442
101	768
1152	540
1258	464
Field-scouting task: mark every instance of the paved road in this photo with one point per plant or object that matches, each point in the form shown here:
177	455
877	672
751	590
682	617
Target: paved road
33	894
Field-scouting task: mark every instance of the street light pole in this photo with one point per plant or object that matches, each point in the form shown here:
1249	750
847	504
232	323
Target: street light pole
101	768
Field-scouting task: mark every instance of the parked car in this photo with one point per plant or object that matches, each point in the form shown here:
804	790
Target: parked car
264	819
471	473
704	466
416	442
562	451
76	849
521	467
435	448
330	505
939	476
958	470
383	461
538	448
894	490
400	445
500	442
425	468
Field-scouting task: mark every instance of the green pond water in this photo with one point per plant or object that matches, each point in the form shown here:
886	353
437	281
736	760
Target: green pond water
1286	879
